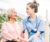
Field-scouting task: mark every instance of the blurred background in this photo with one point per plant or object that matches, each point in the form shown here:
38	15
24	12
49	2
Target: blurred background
20	6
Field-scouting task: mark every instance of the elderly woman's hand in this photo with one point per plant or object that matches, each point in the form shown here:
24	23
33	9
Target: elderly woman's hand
18	40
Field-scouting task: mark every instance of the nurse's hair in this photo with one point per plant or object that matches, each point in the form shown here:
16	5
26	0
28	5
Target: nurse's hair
33	5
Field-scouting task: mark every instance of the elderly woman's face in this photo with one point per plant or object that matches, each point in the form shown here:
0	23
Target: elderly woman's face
13	14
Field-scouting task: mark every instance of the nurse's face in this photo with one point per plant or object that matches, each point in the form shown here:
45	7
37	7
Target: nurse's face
29	10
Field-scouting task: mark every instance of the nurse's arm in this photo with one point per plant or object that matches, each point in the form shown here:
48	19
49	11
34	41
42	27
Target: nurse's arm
35	35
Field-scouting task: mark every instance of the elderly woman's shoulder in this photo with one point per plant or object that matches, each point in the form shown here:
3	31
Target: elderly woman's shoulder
18	23
4	22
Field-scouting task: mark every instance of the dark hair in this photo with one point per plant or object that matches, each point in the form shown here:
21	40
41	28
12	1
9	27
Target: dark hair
33	5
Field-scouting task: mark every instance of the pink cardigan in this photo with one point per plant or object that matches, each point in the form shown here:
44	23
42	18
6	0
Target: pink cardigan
10	32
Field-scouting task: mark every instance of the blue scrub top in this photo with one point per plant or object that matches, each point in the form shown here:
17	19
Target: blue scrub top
33	26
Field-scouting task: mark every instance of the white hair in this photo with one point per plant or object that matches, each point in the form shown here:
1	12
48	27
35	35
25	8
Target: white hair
9	11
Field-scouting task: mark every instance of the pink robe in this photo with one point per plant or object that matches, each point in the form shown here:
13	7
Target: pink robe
11	31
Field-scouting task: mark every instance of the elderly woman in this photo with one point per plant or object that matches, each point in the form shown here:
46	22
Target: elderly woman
11	31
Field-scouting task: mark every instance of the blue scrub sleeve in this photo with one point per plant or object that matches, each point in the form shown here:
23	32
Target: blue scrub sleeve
41	27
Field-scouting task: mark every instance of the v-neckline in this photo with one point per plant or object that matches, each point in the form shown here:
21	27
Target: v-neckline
29	20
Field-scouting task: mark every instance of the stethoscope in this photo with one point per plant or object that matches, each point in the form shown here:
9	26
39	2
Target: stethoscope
36	27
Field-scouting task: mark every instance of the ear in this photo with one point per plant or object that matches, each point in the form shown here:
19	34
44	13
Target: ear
33	9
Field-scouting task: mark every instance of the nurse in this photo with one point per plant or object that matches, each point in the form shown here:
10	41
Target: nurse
33	26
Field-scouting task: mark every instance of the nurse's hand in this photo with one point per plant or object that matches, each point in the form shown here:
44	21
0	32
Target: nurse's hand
31	37
16	40
27	40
